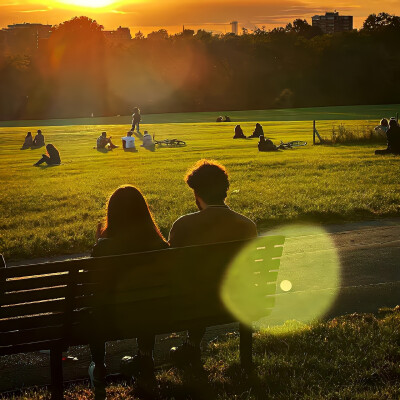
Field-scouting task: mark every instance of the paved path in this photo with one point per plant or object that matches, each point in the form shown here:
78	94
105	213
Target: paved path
369	254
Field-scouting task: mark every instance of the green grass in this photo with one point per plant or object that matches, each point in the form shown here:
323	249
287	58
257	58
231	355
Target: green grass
350	357
55	210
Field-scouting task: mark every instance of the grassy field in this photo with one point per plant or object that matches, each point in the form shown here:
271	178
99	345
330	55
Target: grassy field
54	210
351	357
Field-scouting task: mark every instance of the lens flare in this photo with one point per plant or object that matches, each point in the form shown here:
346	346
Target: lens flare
264	290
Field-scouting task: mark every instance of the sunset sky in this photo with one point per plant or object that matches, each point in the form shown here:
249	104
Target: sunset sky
215	15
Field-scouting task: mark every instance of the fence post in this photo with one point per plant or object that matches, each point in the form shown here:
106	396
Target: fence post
314	132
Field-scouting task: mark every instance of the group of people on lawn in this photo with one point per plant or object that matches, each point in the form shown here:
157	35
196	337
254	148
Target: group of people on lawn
52	157
128	141
136	231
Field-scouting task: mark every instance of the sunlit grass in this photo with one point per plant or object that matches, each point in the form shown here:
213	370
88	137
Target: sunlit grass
350	357
47	211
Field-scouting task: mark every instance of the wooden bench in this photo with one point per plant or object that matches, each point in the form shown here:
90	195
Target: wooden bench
54	305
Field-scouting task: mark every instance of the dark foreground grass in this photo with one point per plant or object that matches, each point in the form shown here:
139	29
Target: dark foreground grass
350	357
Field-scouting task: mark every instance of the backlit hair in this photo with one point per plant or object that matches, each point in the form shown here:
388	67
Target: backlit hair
209	180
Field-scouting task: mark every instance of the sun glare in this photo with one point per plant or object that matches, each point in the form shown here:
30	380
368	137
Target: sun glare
88	3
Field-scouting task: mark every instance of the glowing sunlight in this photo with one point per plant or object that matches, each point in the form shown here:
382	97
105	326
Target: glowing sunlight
88	3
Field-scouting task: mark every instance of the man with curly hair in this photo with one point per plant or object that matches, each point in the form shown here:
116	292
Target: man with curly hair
214	222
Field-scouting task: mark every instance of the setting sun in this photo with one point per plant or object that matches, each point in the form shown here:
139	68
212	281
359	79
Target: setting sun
88	3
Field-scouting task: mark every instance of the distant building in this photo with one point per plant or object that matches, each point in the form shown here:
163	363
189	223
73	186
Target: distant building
119	35
235	27
24	38
332	22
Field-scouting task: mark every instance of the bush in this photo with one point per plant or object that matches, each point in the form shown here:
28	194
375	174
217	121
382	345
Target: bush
341	134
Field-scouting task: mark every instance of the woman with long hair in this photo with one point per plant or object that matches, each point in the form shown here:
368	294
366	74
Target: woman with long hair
129	228
28	141
51	158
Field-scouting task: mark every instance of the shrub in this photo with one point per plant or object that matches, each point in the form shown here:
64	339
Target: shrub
358	134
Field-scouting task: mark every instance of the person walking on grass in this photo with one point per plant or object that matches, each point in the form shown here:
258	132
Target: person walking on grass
51	158
129	228
214	222
136	118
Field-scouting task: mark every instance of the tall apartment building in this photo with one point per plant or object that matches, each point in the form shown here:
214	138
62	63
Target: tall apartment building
235	27
332	22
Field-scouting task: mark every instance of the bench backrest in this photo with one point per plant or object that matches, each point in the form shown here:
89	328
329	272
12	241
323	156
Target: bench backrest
64	303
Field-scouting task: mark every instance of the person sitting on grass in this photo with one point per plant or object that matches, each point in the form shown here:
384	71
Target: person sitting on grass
239	133
383	127
258	131
227	118
28	141
104	142
148	142
39	140
128	142
51	158
393	139
129	228
214	222
266	144
220	119
136	118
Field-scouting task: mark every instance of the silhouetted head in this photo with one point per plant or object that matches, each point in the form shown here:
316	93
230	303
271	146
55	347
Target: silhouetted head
39	132
51	149
209	181
29	134
136	110
104	134
129	133
262	139
258	125
384	122
392	123
145	133
129	217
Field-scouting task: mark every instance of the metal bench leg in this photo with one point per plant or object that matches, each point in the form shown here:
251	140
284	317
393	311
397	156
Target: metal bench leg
246	347
56	368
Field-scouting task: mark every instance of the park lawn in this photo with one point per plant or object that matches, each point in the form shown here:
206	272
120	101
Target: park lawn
365	112
49	211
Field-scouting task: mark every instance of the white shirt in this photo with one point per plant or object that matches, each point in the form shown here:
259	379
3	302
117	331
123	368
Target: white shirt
129	142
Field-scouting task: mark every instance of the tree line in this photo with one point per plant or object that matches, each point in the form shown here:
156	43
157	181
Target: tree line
77	73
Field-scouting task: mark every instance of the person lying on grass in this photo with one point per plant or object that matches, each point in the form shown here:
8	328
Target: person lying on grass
104	142
129	228
393	139
51	158
214	222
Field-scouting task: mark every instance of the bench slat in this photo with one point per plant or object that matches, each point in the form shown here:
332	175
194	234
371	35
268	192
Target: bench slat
34	295
36	283
30	336
33	308
29	347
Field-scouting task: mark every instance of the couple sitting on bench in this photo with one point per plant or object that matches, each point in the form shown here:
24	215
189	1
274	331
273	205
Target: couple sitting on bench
130	228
